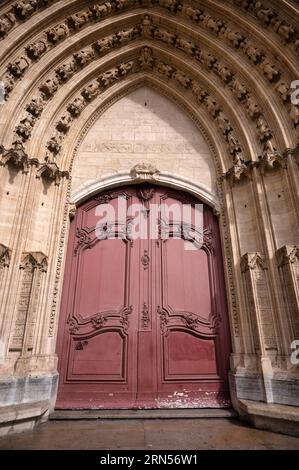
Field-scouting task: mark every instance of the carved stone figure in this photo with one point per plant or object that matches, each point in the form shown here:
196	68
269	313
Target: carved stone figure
64	124
212	23
66	71
24	9
199	93
223	72
147	28
35	107
36	49
285	30
76	107
146	60
91	91
105	44
107	78
234	37
212	106
239	90
270	71
120	4
206	58
125	68
19	67
264	14
165	69
83	57
126	35
171	5
253	53
6	23
9	84
98	11
78	20
54	144
233	143
252	107
193	14
165	36
187	46
25	127
49	87
223	123
58	33
183	80
284	91
263	130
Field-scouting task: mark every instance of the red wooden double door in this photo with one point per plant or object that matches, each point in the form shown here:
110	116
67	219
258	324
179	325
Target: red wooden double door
143	318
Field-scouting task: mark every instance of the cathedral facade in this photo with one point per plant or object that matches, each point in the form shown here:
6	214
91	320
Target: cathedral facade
149	102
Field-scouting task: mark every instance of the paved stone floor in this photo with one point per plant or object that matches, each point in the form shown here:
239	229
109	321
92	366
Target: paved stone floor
155	434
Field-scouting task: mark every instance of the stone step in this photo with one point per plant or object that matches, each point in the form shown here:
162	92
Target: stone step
144	414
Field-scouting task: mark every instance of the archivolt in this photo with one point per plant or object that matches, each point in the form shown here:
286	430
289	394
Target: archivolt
194	56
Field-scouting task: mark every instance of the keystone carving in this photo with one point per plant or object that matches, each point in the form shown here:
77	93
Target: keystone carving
144	172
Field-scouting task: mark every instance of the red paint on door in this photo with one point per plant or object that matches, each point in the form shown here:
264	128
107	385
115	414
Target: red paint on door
143	321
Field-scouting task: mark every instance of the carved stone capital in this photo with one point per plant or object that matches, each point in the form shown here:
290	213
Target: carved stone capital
287	254
238	172
271	160
252	261
72	210
5	255
144	172
35	259
15	156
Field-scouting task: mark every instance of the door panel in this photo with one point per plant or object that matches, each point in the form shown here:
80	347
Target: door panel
143	321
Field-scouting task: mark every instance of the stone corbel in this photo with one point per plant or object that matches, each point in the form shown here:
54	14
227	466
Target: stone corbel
50	171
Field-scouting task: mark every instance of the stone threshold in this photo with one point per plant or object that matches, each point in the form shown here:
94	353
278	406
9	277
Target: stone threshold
271	416
190	413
